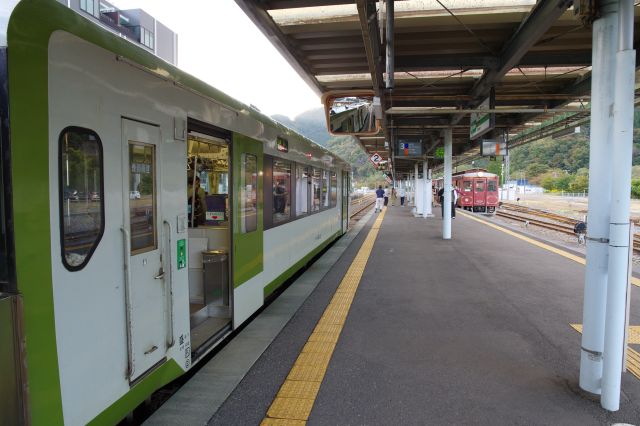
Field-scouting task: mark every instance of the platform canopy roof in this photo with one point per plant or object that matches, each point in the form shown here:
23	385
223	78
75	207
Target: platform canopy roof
449	55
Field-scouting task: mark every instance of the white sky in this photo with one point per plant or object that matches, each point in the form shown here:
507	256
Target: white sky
220	45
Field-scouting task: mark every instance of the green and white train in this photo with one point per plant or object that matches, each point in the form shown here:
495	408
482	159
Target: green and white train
107	291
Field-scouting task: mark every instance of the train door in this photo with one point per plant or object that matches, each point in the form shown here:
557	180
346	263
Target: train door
248	209
492	195
346	189
479	194
209	216
467	194
145	283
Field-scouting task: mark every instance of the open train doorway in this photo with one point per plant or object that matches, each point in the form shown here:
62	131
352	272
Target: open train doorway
209	216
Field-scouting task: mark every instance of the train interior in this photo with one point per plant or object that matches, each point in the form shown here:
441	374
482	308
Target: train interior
209	214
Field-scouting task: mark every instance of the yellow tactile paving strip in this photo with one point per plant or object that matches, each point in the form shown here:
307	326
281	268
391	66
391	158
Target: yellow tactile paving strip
635	281
633	357
296	396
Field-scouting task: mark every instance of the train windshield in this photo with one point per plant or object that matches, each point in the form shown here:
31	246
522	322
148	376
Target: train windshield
491	186
479	186
466	186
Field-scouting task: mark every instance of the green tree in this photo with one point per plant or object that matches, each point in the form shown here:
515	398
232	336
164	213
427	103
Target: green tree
580	183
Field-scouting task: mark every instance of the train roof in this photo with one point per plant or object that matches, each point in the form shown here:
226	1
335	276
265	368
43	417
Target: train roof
478	174
59	17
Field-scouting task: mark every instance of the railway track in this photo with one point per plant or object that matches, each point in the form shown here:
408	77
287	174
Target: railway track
358	206
533	217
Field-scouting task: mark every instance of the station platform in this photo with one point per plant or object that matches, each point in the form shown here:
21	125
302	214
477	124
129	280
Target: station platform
406	328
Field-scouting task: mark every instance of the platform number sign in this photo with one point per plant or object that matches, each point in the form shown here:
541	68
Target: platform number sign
375	159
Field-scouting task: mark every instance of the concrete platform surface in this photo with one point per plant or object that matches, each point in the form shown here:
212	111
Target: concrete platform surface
474	330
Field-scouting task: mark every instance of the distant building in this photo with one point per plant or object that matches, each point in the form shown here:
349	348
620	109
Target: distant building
134	24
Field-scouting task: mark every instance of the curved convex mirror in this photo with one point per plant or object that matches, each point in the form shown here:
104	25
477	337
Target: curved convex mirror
352	114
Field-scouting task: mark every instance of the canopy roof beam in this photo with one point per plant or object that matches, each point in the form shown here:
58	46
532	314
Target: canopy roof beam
540	19
371	38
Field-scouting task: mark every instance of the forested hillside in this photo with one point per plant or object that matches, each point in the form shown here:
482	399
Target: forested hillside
563	164
312	125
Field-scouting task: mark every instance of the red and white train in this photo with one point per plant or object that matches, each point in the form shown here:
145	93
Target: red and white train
477	190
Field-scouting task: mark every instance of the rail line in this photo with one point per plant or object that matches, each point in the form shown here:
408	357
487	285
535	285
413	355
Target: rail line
564	224
359	205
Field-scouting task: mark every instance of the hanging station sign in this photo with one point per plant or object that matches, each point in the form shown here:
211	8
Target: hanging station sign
482	123
409	148
376	159
494	147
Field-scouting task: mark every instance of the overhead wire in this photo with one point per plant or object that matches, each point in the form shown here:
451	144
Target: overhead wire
425	85
477	37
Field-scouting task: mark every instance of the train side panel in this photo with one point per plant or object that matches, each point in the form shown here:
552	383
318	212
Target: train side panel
90	88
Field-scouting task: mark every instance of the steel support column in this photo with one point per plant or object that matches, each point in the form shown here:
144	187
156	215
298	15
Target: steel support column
595	288
390	51
621	155
446	219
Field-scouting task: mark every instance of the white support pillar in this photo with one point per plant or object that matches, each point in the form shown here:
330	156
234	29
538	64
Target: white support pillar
446	220
415	185
595	288
621	155
410	190
426	198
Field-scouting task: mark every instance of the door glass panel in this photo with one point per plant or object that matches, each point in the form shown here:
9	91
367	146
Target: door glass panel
302	189
248	193
281	191
334	189
479	186
325	188
142	197
316	185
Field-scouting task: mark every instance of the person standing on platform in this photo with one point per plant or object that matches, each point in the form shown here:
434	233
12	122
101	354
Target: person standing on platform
386	196
454	200
379	198
401	194
441	200
394	196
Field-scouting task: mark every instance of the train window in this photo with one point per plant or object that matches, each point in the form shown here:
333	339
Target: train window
281	191
81	195
142	197
466	186
491	186
248	193
479	186
302	190
334	189
316	187
88	6
325	189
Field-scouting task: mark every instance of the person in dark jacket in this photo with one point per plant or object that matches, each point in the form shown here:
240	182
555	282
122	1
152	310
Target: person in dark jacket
454	198
379	198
